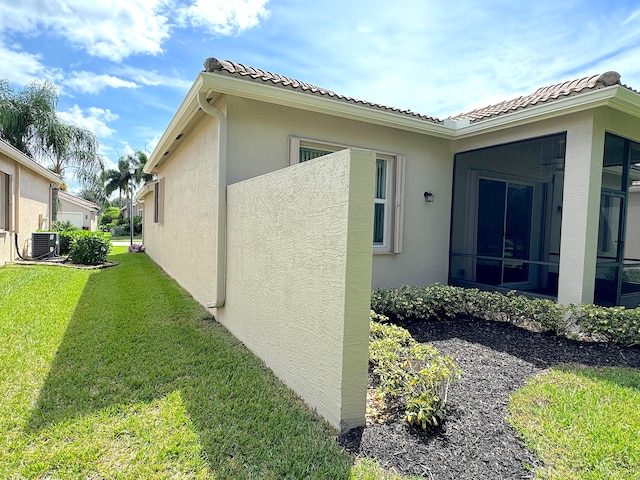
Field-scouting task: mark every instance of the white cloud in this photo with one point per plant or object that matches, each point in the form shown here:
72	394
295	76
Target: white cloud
22	67
116	29
225	17
93	119
89	82
152	78
110	29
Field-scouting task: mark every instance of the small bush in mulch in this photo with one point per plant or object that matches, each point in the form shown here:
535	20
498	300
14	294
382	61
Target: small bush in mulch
580	322
409	376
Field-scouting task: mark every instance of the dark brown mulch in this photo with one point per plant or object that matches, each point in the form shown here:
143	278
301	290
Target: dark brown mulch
476	441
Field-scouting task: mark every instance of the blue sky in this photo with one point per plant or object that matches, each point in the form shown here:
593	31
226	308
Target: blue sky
124	66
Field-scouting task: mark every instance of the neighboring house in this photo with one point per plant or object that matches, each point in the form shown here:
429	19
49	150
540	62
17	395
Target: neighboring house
80	212
530	194
25	201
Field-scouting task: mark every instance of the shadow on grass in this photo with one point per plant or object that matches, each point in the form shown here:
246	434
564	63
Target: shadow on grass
135	336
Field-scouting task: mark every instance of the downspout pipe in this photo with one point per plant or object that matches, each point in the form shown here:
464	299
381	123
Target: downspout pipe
221	237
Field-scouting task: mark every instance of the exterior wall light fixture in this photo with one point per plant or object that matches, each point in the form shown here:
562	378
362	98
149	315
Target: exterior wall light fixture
428	197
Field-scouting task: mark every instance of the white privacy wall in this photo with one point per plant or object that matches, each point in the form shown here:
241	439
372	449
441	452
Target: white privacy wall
299	277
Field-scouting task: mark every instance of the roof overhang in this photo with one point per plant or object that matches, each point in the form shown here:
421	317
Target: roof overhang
145	190
216	84
16	155
617	97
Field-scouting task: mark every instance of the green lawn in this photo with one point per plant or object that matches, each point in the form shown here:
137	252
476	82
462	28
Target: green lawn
118	373
584	423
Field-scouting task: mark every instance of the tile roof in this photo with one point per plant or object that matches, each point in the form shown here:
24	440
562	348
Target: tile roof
543	95
212	65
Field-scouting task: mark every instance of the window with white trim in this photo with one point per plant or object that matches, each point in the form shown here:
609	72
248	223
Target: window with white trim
158	201
5	200
389	183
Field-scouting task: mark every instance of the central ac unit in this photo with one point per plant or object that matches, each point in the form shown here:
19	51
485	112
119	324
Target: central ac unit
44	244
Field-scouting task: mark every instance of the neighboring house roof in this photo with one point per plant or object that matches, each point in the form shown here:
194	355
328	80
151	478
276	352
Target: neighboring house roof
81	202
16	155
542	95
255	74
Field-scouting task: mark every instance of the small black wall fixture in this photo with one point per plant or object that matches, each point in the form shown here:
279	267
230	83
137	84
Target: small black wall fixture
428	197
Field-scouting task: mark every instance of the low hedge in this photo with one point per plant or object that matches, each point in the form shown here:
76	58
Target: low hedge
441	302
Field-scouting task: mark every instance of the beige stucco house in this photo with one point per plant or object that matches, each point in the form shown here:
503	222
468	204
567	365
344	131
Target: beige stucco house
25	201
80	212
258	175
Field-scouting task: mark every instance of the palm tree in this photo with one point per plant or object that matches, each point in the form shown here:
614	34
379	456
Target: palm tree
28	121
118	179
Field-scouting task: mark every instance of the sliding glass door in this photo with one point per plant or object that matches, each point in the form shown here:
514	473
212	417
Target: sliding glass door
504	232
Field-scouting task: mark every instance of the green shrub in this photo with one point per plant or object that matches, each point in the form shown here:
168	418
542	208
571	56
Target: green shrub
441	302
89	248
617	324
410	375
110	215
63	226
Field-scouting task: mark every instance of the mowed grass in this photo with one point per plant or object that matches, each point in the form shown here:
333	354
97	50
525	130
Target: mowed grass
118	373
584	423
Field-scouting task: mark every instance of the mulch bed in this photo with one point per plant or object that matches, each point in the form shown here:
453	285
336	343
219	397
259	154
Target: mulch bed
476	441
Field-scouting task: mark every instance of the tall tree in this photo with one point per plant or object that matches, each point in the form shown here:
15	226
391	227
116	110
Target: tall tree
29	122
118	179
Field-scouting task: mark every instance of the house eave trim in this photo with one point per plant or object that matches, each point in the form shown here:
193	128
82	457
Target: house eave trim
290	98
16	155
187	110
615	97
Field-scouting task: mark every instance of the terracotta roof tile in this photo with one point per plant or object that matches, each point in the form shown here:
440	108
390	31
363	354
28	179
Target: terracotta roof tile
213	65
543	95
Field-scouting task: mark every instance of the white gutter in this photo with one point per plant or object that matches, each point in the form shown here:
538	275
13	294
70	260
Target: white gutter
221	236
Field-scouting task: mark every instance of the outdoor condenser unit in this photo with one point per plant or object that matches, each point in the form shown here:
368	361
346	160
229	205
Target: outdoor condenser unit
44	244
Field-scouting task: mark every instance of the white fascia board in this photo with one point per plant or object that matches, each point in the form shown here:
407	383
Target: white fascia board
186	111
16	155
321	104
577	103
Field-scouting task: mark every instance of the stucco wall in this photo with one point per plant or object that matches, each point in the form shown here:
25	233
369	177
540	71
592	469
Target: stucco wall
182	244
258	143
298	278
30	203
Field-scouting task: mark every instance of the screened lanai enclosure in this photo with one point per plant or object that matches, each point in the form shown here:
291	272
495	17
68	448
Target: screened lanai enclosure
618	261
506	216
507	213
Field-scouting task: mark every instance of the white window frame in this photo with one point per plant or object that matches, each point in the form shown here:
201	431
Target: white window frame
5	201
158	201
394	202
